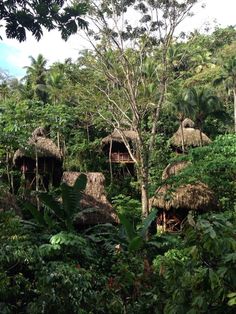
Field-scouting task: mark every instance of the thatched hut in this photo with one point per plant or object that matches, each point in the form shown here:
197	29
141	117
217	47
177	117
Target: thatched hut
96	207
195	196
188	123
39	158
175	203
188	136
115	148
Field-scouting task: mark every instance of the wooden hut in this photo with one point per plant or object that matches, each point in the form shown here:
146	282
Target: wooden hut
40	161
175	203
115	148
188	136
96	207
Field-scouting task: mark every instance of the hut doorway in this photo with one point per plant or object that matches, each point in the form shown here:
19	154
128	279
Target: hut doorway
171	220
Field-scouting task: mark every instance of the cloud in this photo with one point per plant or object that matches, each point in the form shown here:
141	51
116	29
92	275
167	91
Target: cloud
51	46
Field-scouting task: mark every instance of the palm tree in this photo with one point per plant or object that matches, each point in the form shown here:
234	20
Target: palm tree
4	90
183	110
55	83
36	77
228	77
204	104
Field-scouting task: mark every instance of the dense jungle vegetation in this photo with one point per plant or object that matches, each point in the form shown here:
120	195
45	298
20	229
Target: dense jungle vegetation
143	78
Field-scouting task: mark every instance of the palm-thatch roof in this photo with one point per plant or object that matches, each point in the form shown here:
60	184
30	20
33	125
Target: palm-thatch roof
44	147
116	136
192	138
97	209
188	123
174	168
196	196
40	131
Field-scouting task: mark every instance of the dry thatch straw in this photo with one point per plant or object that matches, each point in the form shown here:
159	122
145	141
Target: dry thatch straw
98	210
188	123
174	168
196	196
192	138
116	136
45	148
40	131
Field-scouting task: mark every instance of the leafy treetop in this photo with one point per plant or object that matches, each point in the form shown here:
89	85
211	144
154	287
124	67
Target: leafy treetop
21	16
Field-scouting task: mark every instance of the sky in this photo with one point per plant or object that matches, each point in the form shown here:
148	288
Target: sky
14	56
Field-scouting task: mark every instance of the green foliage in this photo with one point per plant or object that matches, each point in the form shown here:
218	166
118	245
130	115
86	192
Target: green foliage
66	271
203	270
46	265
33	16
63	212
74	245
129	207
136	237
57	280
214	165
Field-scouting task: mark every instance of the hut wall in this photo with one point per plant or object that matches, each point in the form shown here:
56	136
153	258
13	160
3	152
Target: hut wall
119	152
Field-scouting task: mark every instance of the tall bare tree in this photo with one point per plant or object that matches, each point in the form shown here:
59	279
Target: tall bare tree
133	39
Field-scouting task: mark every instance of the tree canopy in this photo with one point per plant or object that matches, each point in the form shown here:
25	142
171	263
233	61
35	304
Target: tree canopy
87	149
18	17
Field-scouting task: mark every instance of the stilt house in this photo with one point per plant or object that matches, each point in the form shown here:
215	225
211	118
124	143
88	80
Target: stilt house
40	162
115	148
188	137
175	203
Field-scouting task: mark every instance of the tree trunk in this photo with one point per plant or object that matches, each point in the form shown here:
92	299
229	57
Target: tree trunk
143	177
37	177
201	140
110	162
58	140
144	191
234	91
7	168
182	136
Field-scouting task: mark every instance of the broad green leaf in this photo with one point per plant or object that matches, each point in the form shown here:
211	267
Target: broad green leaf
136	243
80	183
38	216
147	222
127	226
52	204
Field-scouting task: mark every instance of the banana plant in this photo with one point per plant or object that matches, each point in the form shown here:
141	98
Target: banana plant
60	212
136	238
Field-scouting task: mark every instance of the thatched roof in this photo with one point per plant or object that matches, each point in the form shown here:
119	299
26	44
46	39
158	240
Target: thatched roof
188	123
98	210
116	136
191	138
45	148
174	168
40	131
196	196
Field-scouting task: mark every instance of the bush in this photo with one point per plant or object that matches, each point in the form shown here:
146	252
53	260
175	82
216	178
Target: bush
199	277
